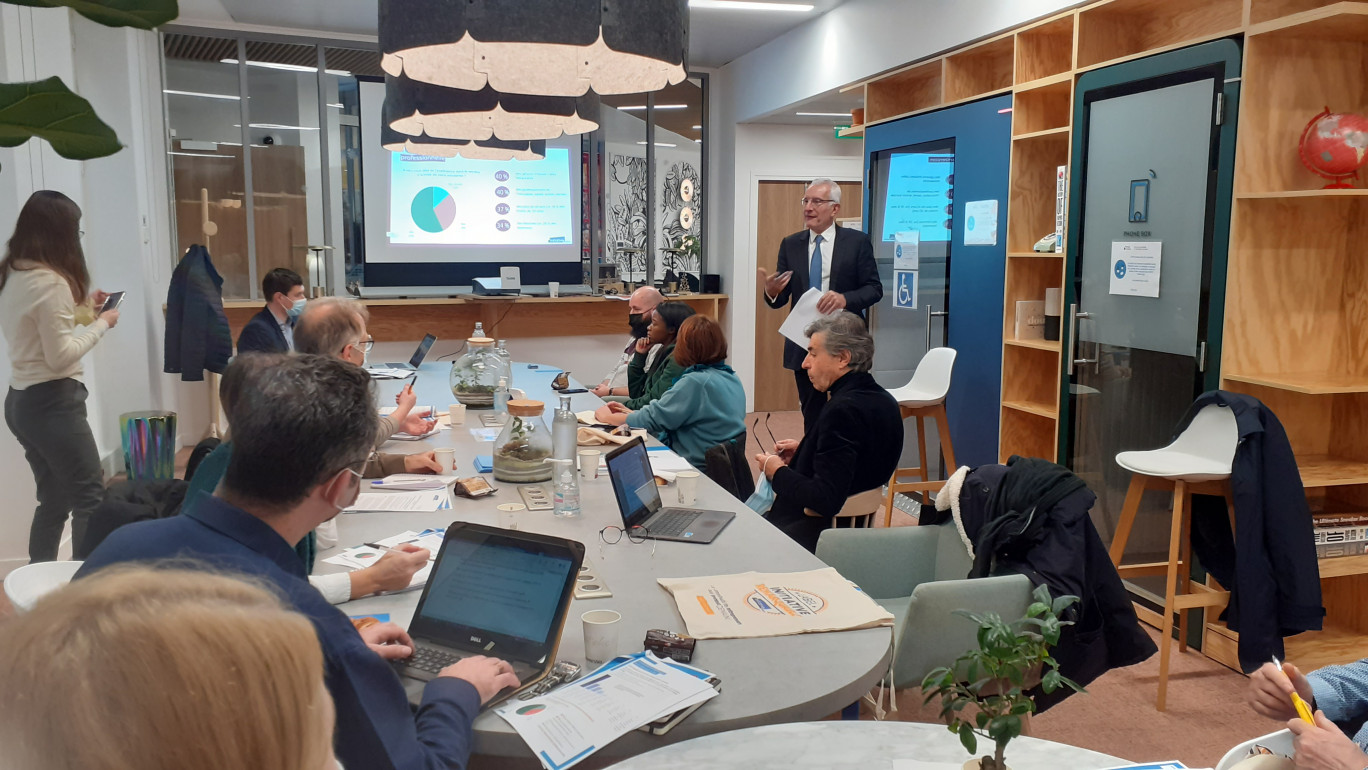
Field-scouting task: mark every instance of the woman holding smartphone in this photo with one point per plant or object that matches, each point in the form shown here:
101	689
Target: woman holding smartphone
43	298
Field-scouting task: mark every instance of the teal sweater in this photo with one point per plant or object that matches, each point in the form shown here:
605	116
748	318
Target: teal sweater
704	407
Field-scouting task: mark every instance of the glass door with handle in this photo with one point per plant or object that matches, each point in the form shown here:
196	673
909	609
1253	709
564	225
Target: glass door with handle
1150	200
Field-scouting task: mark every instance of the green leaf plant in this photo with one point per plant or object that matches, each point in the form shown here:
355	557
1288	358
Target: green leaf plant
47	109
993	678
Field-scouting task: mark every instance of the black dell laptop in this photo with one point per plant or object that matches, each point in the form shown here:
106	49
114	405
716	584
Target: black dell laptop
638	499
495	592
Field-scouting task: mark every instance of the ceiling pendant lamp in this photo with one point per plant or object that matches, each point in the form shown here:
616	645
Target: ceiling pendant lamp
548	47
417	108
493	149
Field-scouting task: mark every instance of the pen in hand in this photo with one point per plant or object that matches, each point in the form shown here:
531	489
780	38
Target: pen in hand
1303	710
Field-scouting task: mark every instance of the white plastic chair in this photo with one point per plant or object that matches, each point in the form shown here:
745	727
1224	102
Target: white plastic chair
31	582
1279	743
1197	462
924	396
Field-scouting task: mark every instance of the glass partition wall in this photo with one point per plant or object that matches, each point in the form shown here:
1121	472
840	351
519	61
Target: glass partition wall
265	166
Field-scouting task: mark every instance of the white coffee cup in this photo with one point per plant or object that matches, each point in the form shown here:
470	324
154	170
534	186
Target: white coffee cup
589	463
516	393
508	520
687	483
600	636
447	459
554	287
456	414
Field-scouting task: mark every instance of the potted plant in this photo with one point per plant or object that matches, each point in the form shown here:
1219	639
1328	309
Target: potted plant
994	677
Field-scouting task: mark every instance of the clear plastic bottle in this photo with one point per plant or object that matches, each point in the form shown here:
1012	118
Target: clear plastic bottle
501	350
564	433
501	400
567	503
479	329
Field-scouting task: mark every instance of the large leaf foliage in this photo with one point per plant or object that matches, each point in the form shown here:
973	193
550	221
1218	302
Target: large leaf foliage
143	14
49	110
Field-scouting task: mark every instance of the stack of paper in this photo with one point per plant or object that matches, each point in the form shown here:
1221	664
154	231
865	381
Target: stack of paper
361	556
577	719
401	501
381	373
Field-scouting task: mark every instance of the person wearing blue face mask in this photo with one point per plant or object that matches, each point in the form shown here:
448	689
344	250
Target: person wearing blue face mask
272	330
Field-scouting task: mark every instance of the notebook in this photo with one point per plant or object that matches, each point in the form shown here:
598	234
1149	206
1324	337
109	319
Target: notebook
495	592
638	499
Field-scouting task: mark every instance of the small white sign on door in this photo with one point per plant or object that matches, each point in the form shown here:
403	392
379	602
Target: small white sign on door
907	250
1135	268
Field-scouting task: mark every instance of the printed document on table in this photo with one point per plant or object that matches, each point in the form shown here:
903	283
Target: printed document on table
575	720
802	314
399	501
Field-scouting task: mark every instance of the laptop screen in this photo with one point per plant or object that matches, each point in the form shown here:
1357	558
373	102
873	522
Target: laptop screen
421	353
489	588
634	484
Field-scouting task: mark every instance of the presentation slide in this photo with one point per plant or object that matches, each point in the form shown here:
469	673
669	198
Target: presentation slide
921	192
440	221
459	202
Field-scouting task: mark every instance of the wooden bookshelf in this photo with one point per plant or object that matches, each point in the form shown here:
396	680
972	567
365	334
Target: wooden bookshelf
1296	316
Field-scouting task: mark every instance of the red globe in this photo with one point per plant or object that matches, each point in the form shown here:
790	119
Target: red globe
1335	146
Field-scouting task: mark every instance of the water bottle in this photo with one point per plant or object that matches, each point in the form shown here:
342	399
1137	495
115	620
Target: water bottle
564	433
501	400
501	350
479	329
567	494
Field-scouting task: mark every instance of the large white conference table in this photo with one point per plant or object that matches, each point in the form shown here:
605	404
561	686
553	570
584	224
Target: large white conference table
764	681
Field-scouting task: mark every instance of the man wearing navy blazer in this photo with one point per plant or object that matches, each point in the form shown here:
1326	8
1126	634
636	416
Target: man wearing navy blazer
848	277
272	330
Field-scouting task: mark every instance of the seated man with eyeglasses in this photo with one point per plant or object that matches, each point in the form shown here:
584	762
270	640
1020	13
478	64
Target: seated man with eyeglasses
303	427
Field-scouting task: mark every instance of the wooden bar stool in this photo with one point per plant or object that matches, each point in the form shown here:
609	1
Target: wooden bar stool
859	509
922	397
1198	462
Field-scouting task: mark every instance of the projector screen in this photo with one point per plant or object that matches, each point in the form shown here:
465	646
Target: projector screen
443	221
921	195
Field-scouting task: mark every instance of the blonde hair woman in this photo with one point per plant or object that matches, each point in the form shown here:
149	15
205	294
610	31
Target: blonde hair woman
162	669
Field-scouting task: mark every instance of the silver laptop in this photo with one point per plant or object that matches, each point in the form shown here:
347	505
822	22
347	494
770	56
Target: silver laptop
494	592
634	485
418	356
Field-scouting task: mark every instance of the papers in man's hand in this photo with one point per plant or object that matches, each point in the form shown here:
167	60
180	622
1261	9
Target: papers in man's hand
802	314
362	556
401	436
400	501
410	481
577	719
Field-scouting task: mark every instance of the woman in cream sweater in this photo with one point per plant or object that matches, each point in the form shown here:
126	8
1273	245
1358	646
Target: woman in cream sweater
43	298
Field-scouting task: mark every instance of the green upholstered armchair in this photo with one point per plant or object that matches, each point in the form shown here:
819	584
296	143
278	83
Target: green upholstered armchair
917	573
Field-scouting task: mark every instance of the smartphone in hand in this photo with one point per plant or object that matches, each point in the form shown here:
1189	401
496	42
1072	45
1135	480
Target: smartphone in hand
112	302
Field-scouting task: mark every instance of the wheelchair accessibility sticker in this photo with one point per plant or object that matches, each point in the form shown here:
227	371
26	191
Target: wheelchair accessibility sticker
905	289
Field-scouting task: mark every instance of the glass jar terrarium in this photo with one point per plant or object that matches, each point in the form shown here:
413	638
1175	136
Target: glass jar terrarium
475	374
523	445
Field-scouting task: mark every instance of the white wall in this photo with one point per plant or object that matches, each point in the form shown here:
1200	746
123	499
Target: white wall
127	241
860	38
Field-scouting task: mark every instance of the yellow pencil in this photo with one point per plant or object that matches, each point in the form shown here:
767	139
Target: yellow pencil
1303	710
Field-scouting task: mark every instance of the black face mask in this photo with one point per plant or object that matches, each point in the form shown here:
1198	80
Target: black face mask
640	324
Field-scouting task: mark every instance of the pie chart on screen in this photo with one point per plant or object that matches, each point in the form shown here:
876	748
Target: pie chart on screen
433	209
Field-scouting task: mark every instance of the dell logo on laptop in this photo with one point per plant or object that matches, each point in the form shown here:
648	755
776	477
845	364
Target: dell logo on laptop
476	640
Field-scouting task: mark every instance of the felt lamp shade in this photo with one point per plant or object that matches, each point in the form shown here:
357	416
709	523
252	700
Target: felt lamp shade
416	108
547	47
492	149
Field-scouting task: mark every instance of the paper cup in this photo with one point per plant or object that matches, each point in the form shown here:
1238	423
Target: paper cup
456	414
553	288
600	636
508	520
447	459
687	484
516	393
589	463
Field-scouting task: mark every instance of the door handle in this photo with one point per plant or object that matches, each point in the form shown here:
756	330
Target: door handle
929	314
1074	315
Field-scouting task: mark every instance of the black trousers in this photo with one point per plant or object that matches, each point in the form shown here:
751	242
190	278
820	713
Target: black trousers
49	419
810	400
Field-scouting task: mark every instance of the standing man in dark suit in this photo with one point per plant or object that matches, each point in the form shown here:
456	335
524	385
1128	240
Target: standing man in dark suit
837	261
272	330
